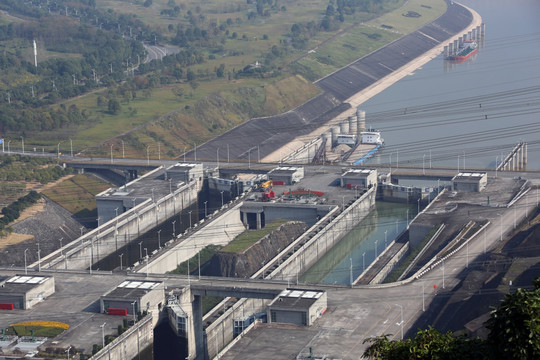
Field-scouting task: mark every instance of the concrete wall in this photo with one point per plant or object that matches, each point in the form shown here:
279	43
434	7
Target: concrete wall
114	234
128	345
323	240
220	231
220	332
390	265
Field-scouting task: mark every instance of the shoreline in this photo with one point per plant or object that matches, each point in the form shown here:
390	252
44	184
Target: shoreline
372	90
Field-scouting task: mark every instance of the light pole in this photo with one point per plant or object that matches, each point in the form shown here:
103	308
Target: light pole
123	150
69	348
103	333
217	156
173	228
133	306
423	297
205	209
22	141
120	256
401	322
70	147
423	166
221	198
496	161
111	153
25	268
501	227
148	155
8	149
443	273
351	272
363	262
190	218
140	249
418	206
159	238
58	151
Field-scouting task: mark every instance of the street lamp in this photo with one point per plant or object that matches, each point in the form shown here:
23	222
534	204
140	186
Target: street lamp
363	262
25	268
22	140
217	156
103	333
221	198
120	256
173	228
159	238
423	166
69	348
148	155
140	249
123	150
205	209
133	305
190	218
70	147
58	150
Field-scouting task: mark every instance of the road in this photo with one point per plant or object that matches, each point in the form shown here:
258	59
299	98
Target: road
157	52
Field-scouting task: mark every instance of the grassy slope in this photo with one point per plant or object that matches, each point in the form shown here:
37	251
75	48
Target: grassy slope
250	237
77	194
219	105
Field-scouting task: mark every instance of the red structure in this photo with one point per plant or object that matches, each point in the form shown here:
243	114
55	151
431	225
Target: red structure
116	311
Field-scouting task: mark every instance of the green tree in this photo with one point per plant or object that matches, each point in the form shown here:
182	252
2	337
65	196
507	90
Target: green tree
515	325
114	106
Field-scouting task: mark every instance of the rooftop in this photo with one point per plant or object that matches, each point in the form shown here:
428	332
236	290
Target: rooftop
22	283
131	289
296	298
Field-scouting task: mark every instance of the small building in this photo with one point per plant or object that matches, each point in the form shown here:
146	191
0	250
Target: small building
185	172
472	182
359	178
134	296
346	139
286	175
297	306
24	291
371	137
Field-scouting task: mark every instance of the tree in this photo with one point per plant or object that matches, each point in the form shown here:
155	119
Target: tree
514	334
114	106
515	325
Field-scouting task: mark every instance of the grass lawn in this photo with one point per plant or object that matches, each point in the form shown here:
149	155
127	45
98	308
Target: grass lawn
250	237
77	193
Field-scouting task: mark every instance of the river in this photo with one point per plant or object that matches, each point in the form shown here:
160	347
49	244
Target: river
471	112
437	117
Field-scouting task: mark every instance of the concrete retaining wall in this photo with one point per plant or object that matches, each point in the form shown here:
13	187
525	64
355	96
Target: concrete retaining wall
323	240
220	332
390	265
219	231
128	345
114	234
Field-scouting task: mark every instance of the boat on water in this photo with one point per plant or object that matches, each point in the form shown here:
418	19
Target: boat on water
468	49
